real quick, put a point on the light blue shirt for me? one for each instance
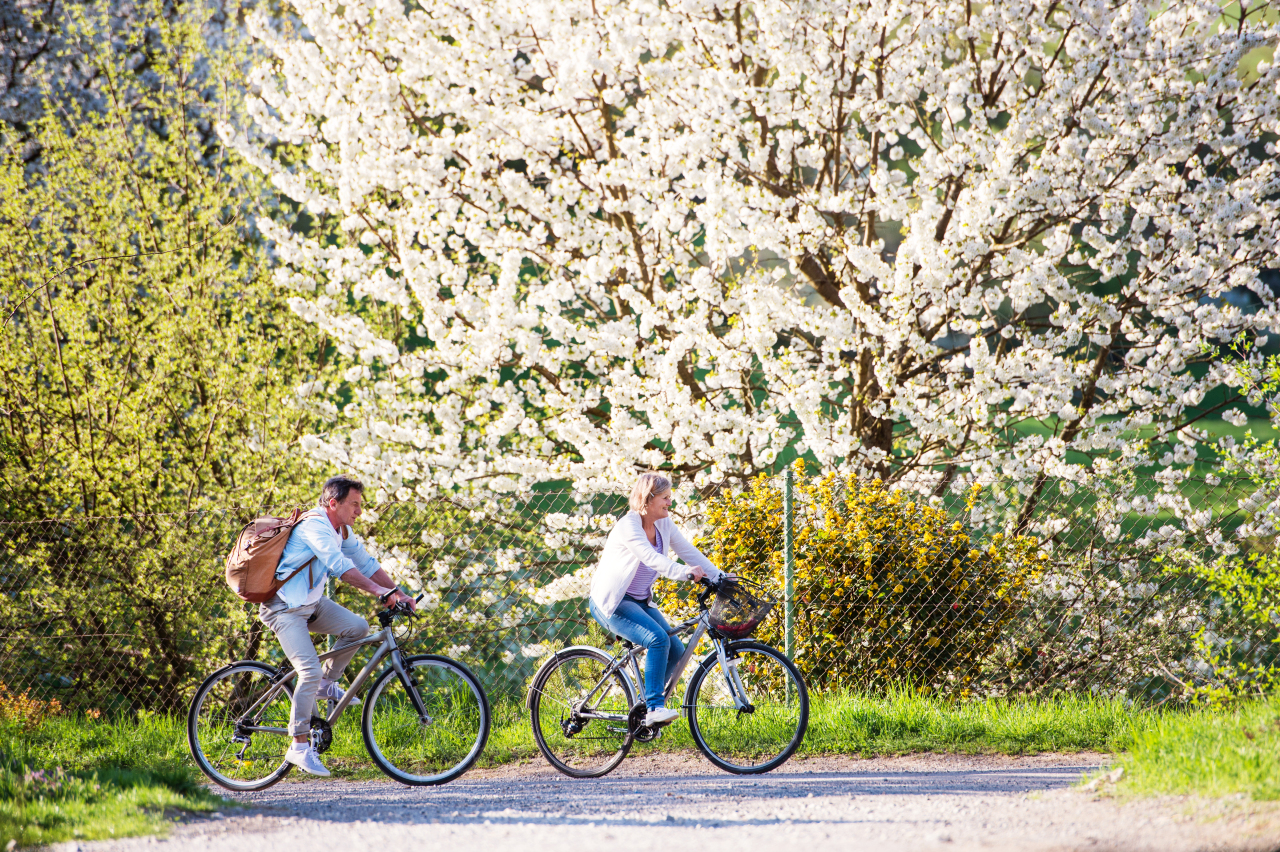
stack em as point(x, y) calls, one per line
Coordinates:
point(315, 537)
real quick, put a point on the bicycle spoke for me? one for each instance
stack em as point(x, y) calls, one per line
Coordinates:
point(417, 751)
point(568, 737)
point(220, 704)
point(763, 734)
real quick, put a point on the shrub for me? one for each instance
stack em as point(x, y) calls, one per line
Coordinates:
point(888, 589)
point(1247, 664)
point(24, 710)
point(147, 361)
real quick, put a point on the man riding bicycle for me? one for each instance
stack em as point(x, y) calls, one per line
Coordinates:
point(323, 546)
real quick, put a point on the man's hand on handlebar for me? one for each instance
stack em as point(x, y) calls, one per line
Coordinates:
point(395, 597)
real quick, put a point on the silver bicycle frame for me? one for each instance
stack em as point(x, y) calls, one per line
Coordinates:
point(700, 626)
point(728, 666)
point(386, 641)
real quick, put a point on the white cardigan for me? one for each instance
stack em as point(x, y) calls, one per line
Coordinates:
point(628, 546)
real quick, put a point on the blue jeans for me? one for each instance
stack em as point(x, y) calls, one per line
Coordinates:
point(647, 627)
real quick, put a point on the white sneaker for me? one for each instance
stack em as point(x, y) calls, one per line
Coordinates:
point(661, 716)
point(330, 691)
point(303, 756)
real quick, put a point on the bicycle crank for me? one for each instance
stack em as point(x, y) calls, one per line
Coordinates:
point(321, 734)
point(638, 729)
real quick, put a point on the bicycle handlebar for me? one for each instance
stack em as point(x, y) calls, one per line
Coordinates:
point(402, 608)
point(710, 587)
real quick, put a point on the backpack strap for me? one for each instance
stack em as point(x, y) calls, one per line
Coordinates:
point(307, 564)
point(311, 580)
point(310, 564)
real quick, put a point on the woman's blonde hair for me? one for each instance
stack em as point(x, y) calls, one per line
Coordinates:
point(647, 486)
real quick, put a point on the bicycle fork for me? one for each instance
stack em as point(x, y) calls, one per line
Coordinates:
point(730, 669)
point(410, 686)
point(729, 666)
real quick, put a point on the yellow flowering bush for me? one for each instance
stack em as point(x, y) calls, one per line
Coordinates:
point(888, 589)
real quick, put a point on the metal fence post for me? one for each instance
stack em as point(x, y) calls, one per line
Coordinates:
point(788, 567)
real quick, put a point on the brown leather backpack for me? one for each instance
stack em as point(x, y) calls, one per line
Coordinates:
point(252, 563)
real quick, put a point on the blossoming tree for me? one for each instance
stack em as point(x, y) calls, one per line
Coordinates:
point(566, 239)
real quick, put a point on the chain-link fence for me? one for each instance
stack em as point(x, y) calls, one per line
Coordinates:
point(1010, 588)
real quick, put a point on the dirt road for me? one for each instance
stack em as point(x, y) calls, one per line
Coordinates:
point(672, 802)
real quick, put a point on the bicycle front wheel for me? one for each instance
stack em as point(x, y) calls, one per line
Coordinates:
point(439, 747)
point(238, 729)
point(567, 698)
point(763, 735)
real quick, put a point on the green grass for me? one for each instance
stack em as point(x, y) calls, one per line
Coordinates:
point(900, 723)
point(131, 776)
point(72, 778)
point(852, 724)
point(1207, 754)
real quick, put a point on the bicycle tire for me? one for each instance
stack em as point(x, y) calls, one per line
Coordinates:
point(557, 688)
point(741, 742)
point(420, 753)
point(211, 724)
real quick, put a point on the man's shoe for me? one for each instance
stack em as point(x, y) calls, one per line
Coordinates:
point(330, 691)
point(660, 716)
point(303, 756)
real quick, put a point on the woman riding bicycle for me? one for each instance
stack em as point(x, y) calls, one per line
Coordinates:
point(622, 589)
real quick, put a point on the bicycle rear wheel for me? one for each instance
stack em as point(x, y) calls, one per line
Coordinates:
point(225, 722)
point(751, 741)
point(570, 740)
point(435, 750)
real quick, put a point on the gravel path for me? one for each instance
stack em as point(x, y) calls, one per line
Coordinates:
point(671, 802)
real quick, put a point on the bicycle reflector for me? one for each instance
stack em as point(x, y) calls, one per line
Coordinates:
point(736, 611)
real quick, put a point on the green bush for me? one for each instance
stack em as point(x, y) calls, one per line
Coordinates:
point(147, 364)
point(1245, 663)
point(888, 589)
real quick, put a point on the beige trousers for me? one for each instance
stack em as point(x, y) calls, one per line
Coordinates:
point(293, 629)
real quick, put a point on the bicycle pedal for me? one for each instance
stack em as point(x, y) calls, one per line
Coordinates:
point(649, 733)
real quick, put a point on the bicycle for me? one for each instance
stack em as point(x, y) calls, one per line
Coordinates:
point(425, 721)
point(746, 703)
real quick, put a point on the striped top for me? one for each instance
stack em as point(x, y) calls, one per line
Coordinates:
point(642, 584)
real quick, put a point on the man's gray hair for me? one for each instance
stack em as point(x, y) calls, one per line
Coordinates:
point(338, 487)
point(646, 487)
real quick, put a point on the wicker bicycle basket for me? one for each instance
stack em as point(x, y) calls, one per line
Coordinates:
point(737, 610)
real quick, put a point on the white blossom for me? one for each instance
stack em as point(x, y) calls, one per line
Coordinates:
point(1235, 417)
point(563, 240)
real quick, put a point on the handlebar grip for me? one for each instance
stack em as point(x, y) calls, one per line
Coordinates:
point(402, 608)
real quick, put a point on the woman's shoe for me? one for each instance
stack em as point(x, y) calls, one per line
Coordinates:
point(660, 716)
